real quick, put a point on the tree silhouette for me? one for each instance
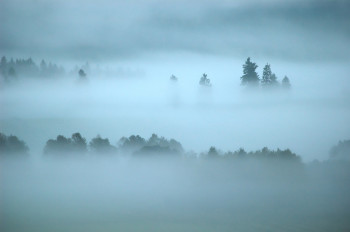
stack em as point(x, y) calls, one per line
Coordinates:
point(138, 145)
point(274, 82)
point(63, 146)
point(102, 146)
point(204, 81)
point(213, 153)
point(173, 78)
point(79, 143)
point(250, 76)
point(3, 62)
point(341, 151)
point(266, 77)
point(82, 74)
point(131, 144)
point(12, 72)
point(11, 145)
point(3, 66)
point(286, 83)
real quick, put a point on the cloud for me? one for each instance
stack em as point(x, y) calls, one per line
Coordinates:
point(315, 30)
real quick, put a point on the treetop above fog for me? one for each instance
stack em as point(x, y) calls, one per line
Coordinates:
point(250, 76)
point(341, 151)
point(204, 80)
point(269, 80)
point(11, 145)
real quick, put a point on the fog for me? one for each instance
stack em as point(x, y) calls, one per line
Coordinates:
point(246, 158)
point(173, 195)
point(308, 119)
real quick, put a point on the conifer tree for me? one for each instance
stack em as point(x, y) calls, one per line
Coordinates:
point(286, 83)
point(266, 77)
point(250, 76)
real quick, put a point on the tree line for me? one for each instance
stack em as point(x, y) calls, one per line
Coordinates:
point(12, 69)
point(250, 77)
point(76, 145)
point(135, 145)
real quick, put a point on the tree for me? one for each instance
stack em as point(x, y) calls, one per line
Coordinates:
point(43, 66)
point(102, 146)
point(82, 74)
point(62, 146)
point(250, 76)
point(213, 153)
point(79, 143)
point(266, 77)
point(286, 83)
point(3, 68)
point(341, 151)
point(173, 78)
point(131, 144)
point(3, 63)
point(12, 72)
point(204, 81)
point(274, 82)
point(11, 145)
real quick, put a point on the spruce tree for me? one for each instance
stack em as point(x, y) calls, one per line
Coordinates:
point(250, 77)
point(266, 77)
point(286, 83)
point(274, 82)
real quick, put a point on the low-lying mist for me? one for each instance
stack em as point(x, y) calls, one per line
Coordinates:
point(309, 118)
point(174, 115)
point(208, 183)
point(170, 194)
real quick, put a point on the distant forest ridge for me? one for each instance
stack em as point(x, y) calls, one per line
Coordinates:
point(135, 145)
point(11, 70)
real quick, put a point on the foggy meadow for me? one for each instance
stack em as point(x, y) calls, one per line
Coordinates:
point(174, 116)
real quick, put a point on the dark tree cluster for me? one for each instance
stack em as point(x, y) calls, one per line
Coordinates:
point(341, 151)
point(204, 80)
point(155, 144)
point(12, 69)
point(263, 154)
point(102, 146)
point(135, 144)
point(63, 146)
point(11, 145)
point(269, 80)
point(82, 74)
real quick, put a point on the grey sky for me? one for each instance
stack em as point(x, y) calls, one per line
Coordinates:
point(91, 30)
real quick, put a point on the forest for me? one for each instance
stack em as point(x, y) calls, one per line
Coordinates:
point(154, 146)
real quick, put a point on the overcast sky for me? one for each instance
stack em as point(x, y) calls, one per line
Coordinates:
point(107, 30)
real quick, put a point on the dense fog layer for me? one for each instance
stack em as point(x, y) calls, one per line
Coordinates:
point(252, 98)
point(309, 118)
point(173, 195)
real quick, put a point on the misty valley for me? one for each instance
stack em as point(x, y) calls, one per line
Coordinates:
point(227, 173)
point(154, 184)
point(174, 115)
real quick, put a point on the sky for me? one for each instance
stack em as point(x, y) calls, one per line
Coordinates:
point(311, 30)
